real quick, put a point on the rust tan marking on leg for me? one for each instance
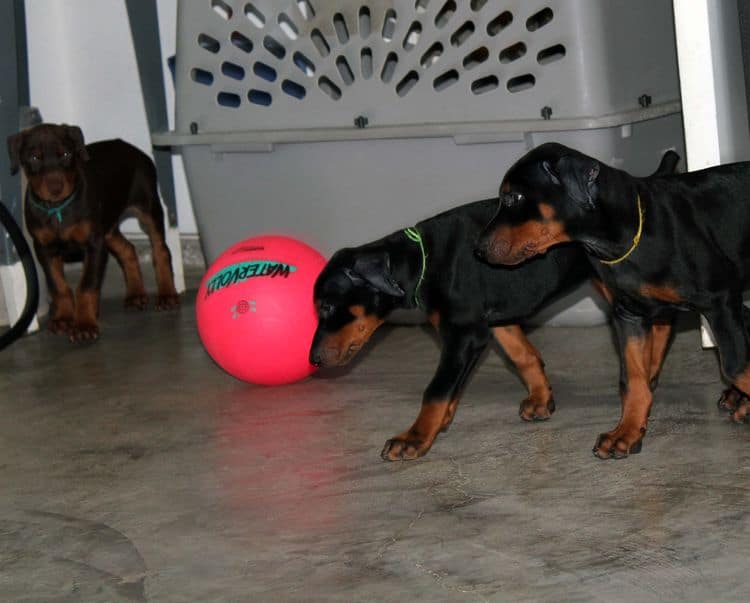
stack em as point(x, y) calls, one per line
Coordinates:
point(450, 413)
point(86, 325)
point(626, 438)
point(660, 334)
point(162, 259)
point(603, 290)
point(418, 439)
point(123, 250)
point(742, 383)
point(528, 362)
point(665, 293)
point(434, 319)
point(63, 308)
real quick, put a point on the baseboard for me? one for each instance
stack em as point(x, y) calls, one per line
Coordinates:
point(192, 254)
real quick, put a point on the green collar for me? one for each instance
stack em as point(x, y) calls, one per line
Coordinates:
point(413, 235)
point(55, 210)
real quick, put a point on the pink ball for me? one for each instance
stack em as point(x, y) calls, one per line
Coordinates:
point(255, 311)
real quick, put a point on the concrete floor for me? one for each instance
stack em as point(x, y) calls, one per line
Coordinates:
point(133, 469)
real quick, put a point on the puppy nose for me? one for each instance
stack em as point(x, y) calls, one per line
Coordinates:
point(55, 186)
point(315, 359)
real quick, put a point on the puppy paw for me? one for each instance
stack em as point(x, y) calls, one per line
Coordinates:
point(619, 443)
point(136, 302)
point(404, 448)
point(60, 326)
point(167, 302)
point(84, 331)
point(730, 399)
point(536, 410)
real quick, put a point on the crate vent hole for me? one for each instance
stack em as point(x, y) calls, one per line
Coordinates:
point(366, 60)
point(342, 31)
point(273, 46)
point(389, 67)
point(259, 97)
point(264, 71)
point(201, 76)
point(407, 83)
point(389, 25)
point(288, 27)
point(305, 64)
point(412, 36)
point(540, 19)
point(551, 54)
point(306, 9)
point(477, 57)
point(477, 5)
point(228, 99)
point(521, 83)
point(499, 23)
point(319, 41)
point(421, 6)
point(208, 43)
point(485, 84)
point(254, 15)
point(241, 42)
point(431, 55)
point(293, 89)
point(513, 53)
point(329, 88)
point(462, 34)
point(445, 14)
point(222, 9)
point(365, 22)
point(345, 71)
point(232, 70)
point(444, 81)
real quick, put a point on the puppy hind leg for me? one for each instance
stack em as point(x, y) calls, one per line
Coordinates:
point(124, 252)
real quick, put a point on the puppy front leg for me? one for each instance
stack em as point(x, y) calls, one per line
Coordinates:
point(62, 314)
point(539, 404)
point(86, 326)
point(462, 346)
point(635, 339)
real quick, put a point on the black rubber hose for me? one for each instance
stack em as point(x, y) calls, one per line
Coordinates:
point(29, 271)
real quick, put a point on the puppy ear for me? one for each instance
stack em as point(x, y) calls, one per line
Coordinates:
point(14, 151)
point(375, 270)
point(550, 172)
point(76, 135)
point(580, 177)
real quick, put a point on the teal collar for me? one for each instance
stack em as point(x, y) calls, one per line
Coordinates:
point(413, 235)
point(54, 210)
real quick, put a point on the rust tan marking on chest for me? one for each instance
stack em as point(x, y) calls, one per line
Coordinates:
point(665, 293)
point(79, 232)
point(44, 236)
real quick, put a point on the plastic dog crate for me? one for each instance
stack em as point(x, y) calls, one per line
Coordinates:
point(338, 122)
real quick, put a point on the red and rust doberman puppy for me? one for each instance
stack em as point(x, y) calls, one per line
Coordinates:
point(432, 266)
point(77, 196)
point(659, 244)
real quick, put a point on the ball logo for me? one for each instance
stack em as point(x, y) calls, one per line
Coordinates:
point(240, 272)
point(242, 307)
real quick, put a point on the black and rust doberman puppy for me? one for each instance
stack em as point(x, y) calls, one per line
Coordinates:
point(77, 196)
point(659, 244)
point(432, 266)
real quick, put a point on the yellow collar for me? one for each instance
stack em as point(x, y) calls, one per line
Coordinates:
point(636, 238)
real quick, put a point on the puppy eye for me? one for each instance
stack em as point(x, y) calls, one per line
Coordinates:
point(518, 198)
point(34, 157)
point(325, 310)
point(67, 155)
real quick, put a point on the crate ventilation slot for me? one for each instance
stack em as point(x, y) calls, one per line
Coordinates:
point(257, 54)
